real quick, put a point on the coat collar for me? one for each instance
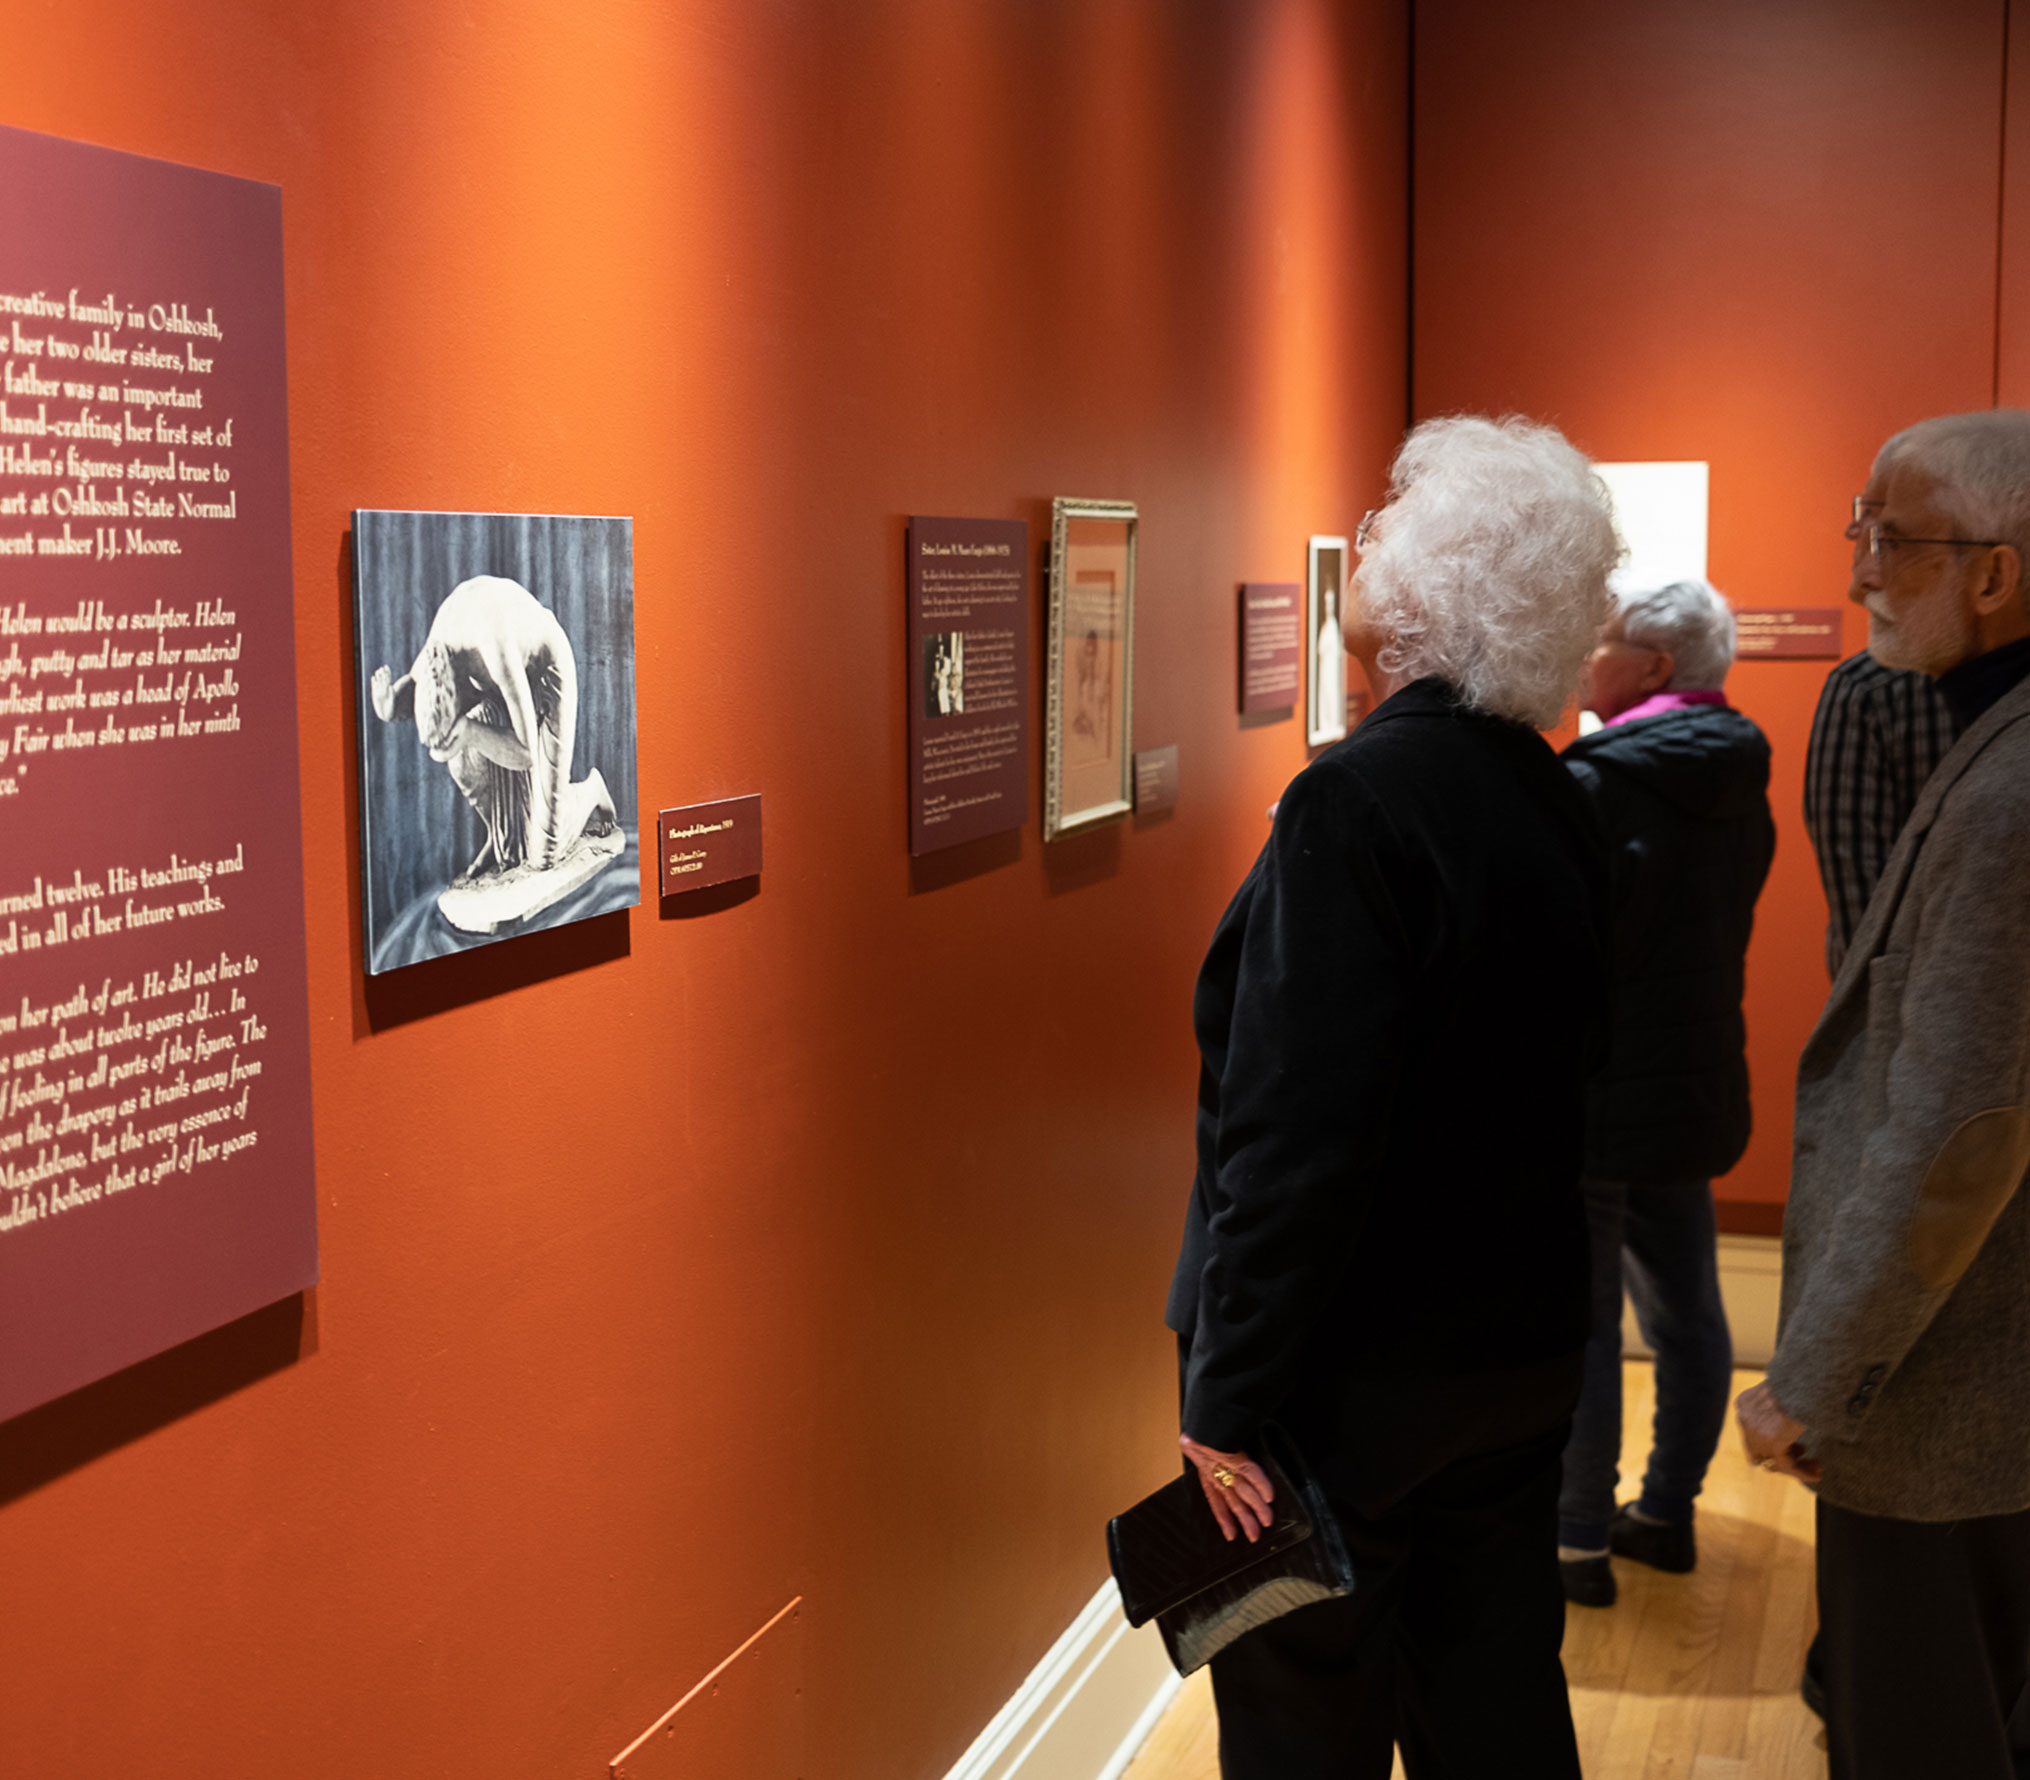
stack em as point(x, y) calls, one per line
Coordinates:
point(1434, 697)
point(1427, 697)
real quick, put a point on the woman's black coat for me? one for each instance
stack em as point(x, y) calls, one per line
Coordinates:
point(1683, 799)
point(1396, 1019)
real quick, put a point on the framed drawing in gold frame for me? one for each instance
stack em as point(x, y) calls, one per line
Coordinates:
point(1324, 641)
point(1088, 732)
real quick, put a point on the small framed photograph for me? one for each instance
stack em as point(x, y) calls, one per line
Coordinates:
point(1325, 642)
point(1088, 748)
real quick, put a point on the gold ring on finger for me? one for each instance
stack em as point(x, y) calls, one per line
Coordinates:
point(1223, 1477)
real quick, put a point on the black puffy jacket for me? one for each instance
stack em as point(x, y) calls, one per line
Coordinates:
point(1683, 799)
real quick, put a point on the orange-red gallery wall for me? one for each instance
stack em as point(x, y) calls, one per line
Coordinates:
point(1762, 236)
point(815, 1245)
point(811, 1246)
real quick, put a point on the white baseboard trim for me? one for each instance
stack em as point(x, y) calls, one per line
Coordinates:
point(1085, 1710)
point(1751, 1279)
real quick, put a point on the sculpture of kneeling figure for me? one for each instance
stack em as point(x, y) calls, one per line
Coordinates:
point(494, 695)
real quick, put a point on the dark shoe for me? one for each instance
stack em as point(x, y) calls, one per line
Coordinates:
point(1813, 1687)
point(1671, 1547)
point(1589, 1582)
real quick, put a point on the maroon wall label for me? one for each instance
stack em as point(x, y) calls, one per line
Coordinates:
point(155, 1144)
point(968, 679)
point(709, 843)
point(1272, 645)
point(1795, 633)
point(1156, 780)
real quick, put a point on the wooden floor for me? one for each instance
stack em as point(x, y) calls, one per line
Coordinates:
point(1691, 1677)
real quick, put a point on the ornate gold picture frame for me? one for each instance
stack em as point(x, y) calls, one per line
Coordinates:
point(1088, 758)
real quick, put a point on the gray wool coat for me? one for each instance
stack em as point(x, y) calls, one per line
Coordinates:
point(1903, 1343)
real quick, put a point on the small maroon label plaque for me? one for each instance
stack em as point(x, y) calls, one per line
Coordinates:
point(1272, 645)
point(709, 843)
point(1156, 781)
point(1795, 633)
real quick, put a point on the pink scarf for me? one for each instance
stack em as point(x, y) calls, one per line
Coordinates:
point(1659, 702)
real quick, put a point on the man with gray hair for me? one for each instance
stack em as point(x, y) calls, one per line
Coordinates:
point(1679, 783)
point(1901, 1380)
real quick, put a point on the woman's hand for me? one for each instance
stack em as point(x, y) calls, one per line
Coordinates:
point(1238, 1489)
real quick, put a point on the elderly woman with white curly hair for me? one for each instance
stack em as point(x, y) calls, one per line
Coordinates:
point(1385, 1252)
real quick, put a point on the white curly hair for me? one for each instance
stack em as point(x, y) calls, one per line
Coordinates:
point(1488, 567)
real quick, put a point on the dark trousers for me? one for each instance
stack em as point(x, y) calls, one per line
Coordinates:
point(1449, 1642)
point(1658, 1239)
point(1925, 1627)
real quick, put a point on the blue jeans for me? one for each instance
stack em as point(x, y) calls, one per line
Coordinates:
point(1659, 1238)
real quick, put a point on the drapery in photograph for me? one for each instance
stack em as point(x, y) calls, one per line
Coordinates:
point(1087, 768)
point(496, 700)
point(1325, 642)
point(944, 674)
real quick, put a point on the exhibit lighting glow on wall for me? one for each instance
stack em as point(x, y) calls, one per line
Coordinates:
point(1660, 512)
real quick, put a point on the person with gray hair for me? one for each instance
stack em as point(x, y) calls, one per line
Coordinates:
point(1385, 1247)
point(1689, 622)
point(1680, 783)
point(1900, 1386)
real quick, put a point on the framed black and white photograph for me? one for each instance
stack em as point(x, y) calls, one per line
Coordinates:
point(944, 674)
point(1325, 642)
point(1088, 768)
point(496, 727)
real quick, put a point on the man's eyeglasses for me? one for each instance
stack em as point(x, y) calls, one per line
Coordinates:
point(1363, 533)
point(1864, 525)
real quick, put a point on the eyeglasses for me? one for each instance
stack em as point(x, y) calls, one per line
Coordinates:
point(1363, 533)
point(1864, 525)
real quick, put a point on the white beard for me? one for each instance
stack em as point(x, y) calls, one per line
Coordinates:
point(1934, 634)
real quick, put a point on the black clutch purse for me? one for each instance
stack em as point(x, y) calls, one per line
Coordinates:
point(1203, 1590)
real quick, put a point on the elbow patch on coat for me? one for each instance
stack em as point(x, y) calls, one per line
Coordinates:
point(1971, 1178)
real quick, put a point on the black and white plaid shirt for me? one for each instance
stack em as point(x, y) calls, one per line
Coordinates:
point(1875, 738)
